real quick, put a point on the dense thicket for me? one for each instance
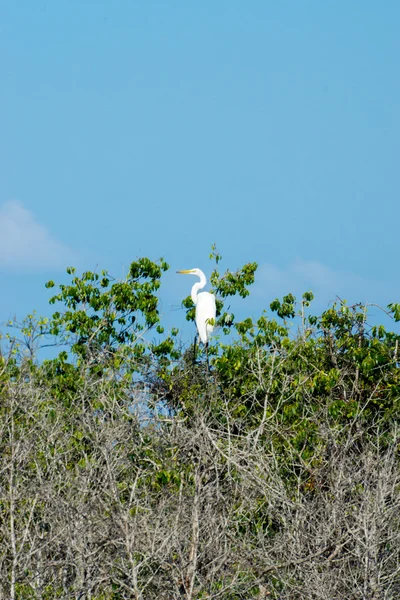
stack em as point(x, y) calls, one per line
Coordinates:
point(131, 470)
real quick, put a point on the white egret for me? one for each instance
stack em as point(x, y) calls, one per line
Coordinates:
point(205, 305)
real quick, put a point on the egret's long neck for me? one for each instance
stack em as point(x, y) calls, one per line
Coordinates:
point(198, 286)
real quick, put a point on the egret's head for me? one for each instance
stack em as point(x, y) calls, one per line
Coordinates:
point(200, 284)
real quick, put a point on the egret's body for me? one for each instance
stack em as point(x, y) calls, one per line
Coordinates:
point(205, 315)
point(205, 306)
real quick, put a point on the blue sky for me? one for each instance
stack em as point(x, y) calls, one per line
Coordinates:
point(157, 128)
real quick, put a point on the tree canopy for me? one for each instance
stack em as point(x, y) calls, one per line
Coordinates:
point(131, 470)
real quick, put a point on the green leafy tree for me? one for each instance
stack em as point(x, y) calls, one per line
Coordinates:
point(104, 315)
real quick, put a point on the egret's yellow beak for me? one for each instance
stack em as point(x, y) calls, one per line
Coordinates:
point(186, 271)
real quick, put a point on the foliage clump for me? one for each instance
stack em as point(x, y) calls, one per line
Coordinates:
point(132, 469)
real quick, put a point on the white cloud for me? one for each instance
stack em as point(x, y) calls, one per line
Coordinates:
point(25, 243)
point(326, 284)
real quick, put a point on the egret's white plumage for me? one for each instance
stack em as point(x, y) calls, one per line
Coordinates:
point(205, 305)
